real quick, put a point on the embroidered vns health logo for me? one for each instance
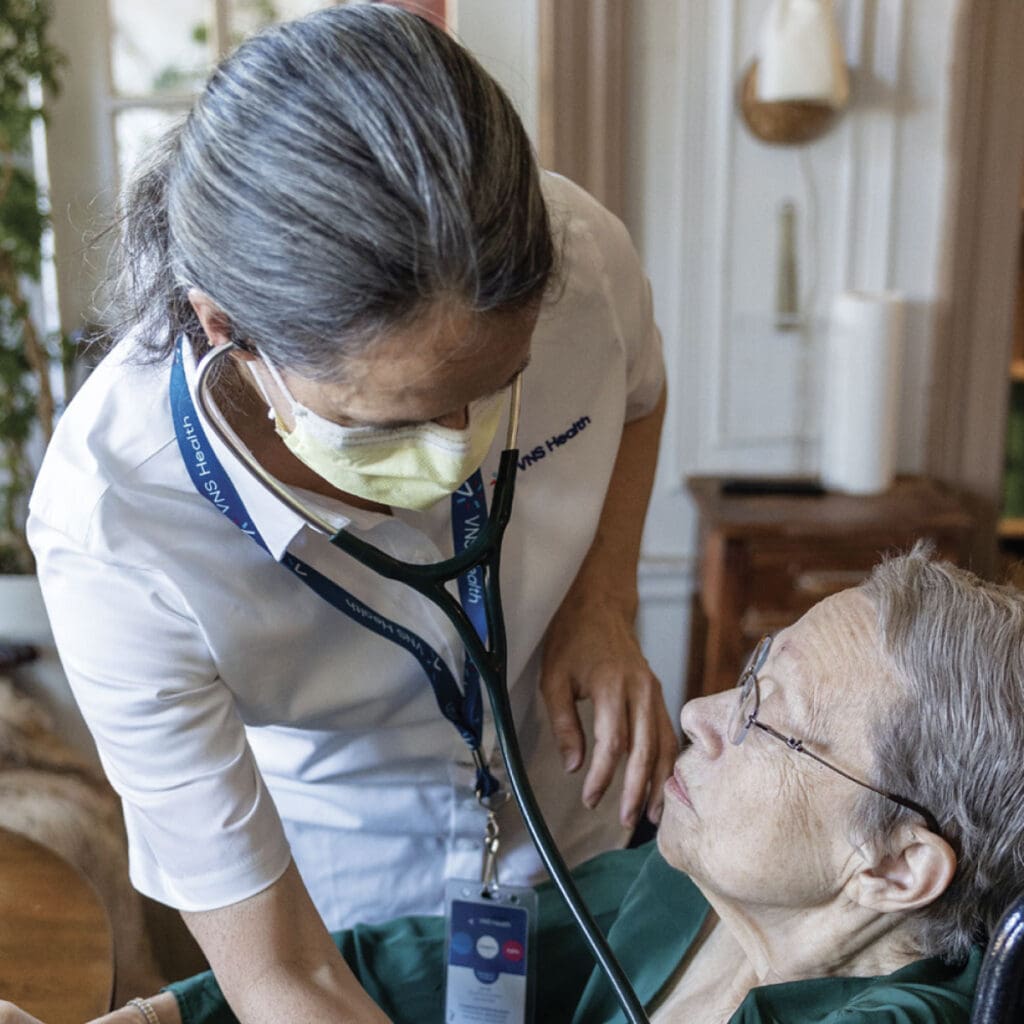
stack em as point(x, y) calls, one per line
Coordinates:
point(553, 443)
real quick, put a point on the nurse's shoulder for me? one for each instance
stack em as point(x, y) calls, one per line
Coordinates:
point(116, 423)
point(589, 236)
point(601, 289)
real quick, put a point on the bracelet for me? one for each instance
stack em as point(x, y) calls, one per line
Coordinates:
point(145, 1007)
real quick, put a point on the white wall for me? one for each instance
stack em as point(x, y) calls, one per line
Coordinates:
point(503, 37)
point(702, 202)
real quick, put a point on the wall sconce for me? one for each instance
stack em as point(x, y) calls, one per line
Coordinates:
point(798, 83)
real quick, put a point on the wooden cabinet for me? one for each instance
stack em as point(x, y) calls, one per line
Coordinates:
point(765, 558)
point(1011, 524)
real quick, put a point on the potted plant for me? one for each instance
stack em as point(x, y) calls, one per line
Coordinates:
point(36, 367)
point(28, 357)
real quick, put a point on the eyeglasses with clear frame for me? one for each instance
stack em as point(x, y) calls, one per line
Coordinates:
point(744, 718)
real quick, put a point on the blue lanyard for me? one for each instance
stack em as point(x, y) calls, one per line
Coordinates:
point(464, 709)
point(469, 517)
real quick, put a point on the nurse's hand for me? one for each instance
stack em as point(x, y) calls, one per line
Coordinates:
point(591, 652)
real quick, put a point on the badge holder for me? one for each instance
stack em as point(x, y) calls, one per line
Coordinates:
point(490, 966)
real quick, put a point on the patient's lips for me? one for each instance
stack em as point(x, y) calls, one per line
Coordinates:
point(676, 788)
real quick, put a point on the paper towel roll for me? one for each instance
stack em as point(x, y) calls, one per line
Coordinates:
point(860, 417)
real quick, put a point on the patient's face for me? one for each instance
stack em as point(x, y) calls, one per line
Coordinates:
point(760, 823)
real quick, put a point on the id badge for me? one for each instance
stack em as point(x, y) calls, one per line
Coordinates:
point(490, 961)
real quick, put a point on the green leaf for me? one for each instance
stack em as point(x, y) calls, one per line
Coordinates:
point(25, 57)
point(22, 223)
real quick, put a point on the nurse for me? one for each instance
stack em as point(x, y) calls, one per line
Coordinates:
point(353, 203)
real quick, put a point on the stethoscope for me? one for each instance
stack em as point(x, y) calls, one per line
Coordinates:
point(490, 658)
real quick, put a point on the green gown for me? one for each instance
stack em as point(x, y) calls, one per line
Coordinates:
point(650, 913)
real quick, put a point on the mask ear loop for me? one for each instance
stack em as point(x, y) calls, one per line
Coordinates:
point(248, 347)
point(278, 380)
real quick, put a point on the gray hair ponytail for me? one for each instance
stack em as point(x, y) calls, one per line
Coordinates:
point(339, 176)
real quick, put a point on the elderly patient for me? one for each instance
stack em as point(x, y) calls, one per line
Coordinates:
point(839, 835)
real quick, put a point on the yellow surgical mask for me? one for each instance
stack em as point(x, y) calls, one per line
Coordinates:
point(409, 467)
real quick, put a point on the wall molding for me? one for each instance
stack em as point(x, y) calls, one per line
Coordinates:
point(877, 48)
point(696, 251)
point(666, 588)
point(666, 579)
point(724, 156)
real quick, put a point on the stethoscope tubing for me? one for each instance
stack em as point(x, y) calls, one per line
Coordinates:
point(492, 664)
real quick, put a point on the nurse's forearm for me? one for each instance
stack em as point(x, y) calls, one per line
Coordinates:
point(276, 963)
point(298, 994)
point(611, 564)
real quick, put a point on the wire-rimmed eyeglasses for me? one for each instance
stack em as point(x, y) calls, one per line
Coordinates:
point(744, 716)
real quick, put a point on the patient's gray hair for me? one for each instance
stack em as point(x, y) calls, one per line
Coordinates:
point(954, 739)
point(341, 175)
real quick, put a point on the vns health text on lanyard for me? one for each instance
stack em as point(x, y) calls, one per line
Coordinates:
point(490, 926)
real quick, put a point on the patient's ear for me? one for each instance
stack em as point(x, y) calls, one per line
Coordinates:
point(913, 874)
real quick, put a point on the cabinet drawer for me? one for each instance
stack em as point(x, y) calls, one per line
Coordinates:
point(786, 577)
point(758, 584)
point(793, 575)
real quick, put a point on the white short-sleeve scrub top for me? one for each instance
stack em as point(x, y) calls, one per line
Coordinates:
point(244, 720)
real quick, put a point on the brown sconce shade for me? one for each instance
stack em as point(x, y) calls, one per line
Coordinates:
point(787, 123)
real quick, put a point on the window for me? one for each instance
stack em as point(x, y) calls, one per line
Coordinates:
point(160, 56)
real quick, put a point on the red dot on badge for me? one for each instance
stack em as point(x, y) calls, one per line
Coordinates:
point(512, 951)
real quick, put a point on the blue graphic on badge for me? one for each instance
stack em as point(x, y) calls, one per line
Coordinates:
point(490, 940)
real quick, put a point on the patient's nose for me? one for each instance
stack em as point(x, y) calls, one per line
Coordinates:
point(705, 721)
